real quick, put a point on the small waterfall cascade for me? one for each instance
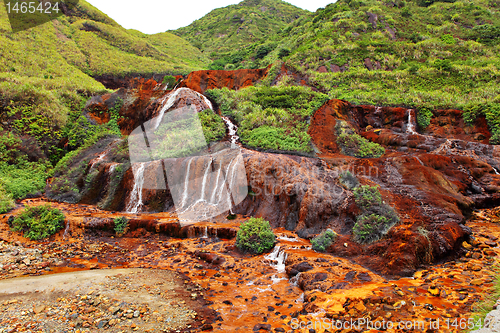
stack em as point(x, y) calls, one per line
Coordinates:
point(233, 137)
point(204, 182)
point(169, 100)
point(205, 232)
point(419, 160)
point(277, 258)
point(102, 155)
point(135, 199)
point(186, 184)
point(410, 129)
point(495, 169)
point(66, 230)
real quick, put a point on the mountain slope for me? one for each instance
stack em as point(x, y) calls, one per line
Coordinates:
point(400, 53)
point(237, 26)
point(46, 76)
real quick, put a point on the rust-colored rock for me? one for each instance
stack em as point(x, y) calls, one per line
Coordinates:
point(202, 81)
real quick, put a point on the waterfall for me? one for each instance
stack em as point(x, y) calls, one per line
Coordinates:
point(232, 130)
point(495, 169)
point(204, 182)
point(186, 184)
point(170, 100)
point(279, 257)
point(418, 159)
point(65, 235)
point(212, 198)
point(206, 100)
point(205, 232)
point(135, 200)
point(410, 129)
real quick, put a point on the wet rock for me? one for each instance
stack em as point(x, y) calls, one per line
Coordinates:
point(265, 327)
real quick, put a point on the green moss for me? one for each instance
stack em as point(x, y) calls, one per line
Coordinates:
point(424, 116)
point(255, 236)
point(39, 222)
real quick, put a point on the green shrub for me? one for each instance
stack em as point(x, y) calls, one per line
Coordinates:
point(255, 236)
point(448, 39)
point(487, 34)
point(424, 116)
point(324, 240)
point(121, 224)
point(376, 216)
point(6, 201)
point(39, 222)
point(491, 111)
point(169, 80)
point(212, 124)
point(367, 196)
point(352, 144)
point(348, 180)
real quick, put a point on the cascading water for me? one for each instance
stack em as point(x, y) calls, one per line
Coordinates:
point(205, 232)
point(277, 258)
point(135, 200)
point(169, 100)
point(411, 123)
point(204, 182)
point(186, 184)
point(233, 137)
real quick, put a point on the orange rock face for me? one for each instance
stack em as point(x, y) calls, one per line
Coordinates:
point(202, 81)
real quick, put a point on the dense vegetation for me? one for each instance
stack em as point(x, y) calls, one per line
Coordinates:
point(38, 222)
point(271, 117)
point(376, 216)
point(423, 54)
point(255, 236)
point(237, 27)
point(46, 77)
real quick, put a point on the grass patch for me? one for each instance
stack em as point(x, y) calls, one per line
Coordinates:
point(352, 144)
point(39, 222)
point(255, 236)
point(482, 308)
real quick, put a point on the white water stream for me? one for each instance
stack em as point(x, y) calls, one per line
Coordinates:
point(135, 199)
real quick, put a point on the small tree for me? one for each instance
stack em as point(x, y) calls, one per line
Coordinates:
point(255, 236)
point(169, 80)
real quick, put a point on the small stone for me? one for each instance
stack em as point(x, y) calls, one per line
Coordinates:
point(476, 282)
point(38, 309)
point(136, 313)
point(434, 291)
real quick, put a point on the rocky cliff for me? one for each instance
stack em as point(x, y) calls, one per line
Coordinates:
point(433, 177)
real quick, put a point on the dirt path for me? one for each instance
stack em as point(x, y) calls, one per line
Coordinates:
point(117, 300)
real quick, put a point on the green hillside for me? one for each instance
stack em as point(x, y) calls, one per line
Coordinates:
point(399, 52)
point(236, 27)
point(424, 54)
point(46, 76)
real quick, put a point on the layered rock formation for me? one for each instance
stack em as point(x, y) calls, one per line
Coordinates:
point(433, 178)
